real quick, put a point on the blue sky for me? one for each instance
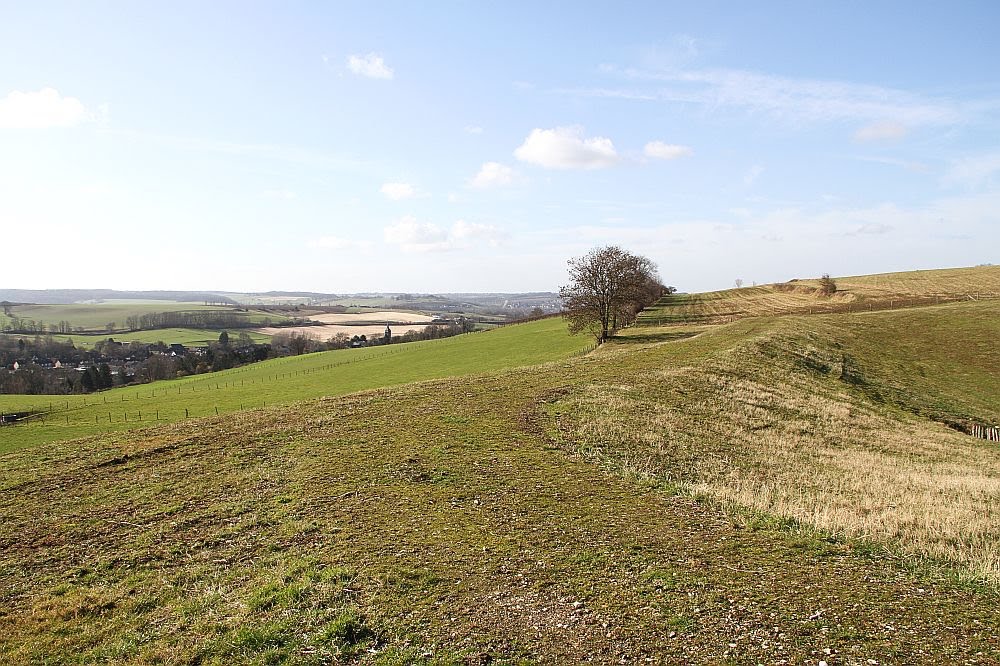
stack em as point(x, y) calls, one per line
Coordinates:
point(476, 147)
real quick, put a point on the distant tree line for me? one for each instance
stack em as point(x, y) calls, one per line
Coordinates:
point(15, 324)
point(200, 320)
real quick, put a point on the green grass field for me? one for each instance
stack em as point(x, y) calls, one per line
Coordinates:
point(189, 337)
point(95, 316)
point(780, 489)
point(282, 381)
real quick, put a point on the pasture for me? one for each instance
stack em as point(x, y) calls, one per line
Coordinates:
point(189, 337)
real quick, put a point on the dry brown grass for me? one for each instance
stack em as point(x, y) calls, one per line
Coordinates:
point(854, 294)
point(773, 427)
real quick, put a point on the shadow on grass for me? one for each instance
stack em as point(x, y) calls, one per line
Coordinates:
point(636, 338)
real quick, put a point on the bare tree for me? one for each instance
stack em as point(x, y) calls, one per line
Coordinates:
point(608, 288)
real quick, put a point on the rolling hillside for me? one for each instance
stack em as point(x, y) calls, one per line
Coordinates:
point(854, 294)
point(779, 489)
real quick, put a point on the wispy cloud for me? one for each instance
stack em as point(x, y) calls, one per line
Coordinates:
point(42, 109)
point(277, 152)
point(666, 151)
point(492, 174)
point(973, 171)
point(566, 148)
point(398, 191)
point(795, 99)
point(881, 131)
point(411, 235)
point(370, 65)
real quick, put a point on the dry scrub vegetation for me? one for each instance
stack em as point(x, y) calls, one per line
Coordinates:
point(801, 425)
point(853, 294)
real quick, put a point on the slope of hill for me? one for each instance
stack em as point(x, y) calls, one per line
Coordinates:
point(854, 294)
point(285, 380)
point(777, 489)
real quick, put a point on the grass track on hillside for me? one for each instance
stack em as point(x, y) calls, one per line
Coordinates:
point(286, 380)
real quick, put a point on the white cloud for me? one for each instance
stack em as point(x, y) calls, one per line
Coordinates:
point(870, 229)
point(492, 174)
point(881, 131)
point(41, 109)
point(413, 236)
point(463, 231)
point(371, 65)
point(566, 148)
point(666, 151)
point(473, 129)
point(398, 191)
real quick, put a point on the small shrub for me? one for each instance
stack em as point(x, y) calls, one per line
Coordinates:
point(827, 286)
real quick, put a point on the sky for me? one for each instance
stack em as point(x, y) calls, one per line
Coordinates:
point(471, 147)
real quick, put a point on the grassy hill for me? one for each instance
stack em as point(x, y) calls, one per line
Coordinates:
point(286, 380)
point(786, 488)
point(854, 294)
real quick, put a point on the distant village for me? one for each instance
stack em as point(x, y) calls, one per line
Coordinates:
point(42, 364)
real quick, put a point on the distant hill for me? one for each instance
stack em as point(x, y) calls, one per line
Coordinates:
point(65, 296)
point(545, 300)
